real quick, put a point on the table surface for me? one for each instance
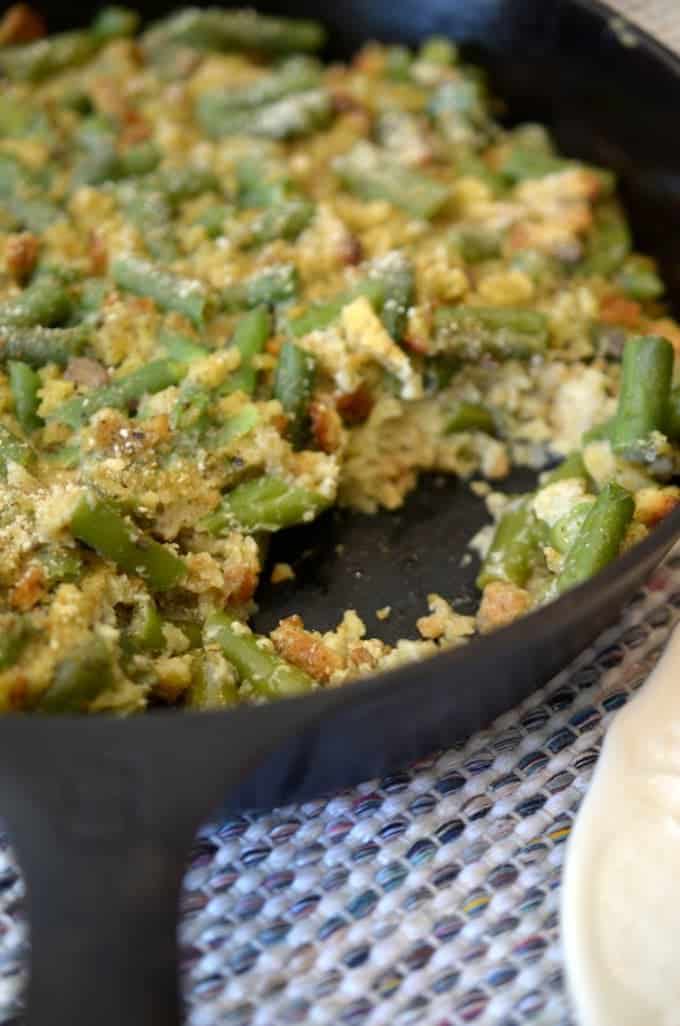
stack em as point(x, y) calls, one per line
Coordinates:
point(429, 898)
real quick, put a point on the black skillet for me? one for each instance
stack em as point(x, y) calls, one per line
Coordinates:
point(102, 811)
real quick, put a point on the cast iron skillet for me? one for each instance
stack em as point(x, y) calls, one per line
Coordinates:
point(102, 812)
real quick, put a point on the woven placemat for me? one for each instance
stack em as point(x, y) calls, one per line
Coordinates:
point(429, 898)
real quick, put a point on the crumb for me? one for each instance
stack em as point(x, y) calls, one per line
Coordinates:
point(481, 488)
point(384, 613)
point(282, 572)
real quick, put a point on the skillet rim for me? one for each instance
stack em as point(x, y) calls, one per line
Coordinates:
point(442, 666)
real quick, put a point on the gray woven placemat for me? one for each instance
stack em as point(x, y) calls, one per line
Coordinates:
point(429, 897)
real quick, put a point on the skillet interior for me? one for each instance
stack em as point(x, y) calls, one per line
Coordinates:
point(115, 803)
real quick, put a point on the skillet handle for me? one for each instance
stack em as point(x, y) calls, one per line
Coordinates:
point(102, 814)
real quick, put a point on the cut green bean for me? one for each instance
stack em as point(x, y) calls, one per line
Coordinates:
point(261, 183)
point(646, 374)
point(207, 691)
point(151, 213)
point(265, 504)
point(36, 61)
point(60, 564)
point(180, 348)
point(15, 634)
point(214, 219)
point(522, 163)
point(25, 385)
point(600, 538)
point(78, 679)
point(266, 288)
point(514, 549)
point(609, 242)
point(236, 427)
point(13, 450)
point(467, 416)
point(168, 291)
point(178, 184)
point(438, 50)
point(260, 669)
point(571, 466)
point(638, 280)
point(282, 221)
point(291, 117)
point(371, 175)
point(32, 214)
point(563, 534)
point(321, 315)
point(96, 523)
point(44, 302)
point(115, 22)
point(673, 415)
point(215, 28)
point(395, 272)
point(145, 633)
point(293, 387)
point(39, 346)
point(121, 393)
point(250, 336)
point(295, 75)
point(472, 332)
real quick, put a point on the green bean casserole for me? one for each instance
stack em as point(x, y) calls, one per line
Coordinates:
point(238, 287)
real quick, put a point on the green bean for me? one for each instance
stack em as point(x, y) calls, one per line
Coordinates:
point(97, 524)
point(638, 279)
point(646, 373)
point(467, 416)
point(214, 219)
point(38, 346)
point(600, 538)
point(371, 175)
point(673, 415)
point(44, 302)
point(472, 332)
point(90, 299)
point(214, 28)
point(320, 315)
point(15, 634)
point(264, 504)
point(208, 692)
point(514, 548)
point(609, 242)
point(282, 221)
point(571, 466)
point(295, 75)
point(564, 533)
point(121, 393)
point(398, 63)
point(291, 117)
point(260, 669)
point(145, 633)
point(151, 213)
point(236, 427)
point(438, 50)
point(261, 184)
point(13, 450)
point(476, 244)
point(469, 164)
point(114, 22)
point(180, 348)
point(78, 679)
point(523, 163)
point(168, 291)
point(32, 214)
point(293, 387)
point(178, 184)
point(250, 336)
point(25, 385)
point(395, 272)
point(270, 287)
point(459, 109)
point(36, 61)
point(602, 432)
point(60, 564)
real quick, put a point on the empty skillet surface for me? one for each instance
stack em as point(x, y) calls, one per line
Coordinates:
point(103, 811)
